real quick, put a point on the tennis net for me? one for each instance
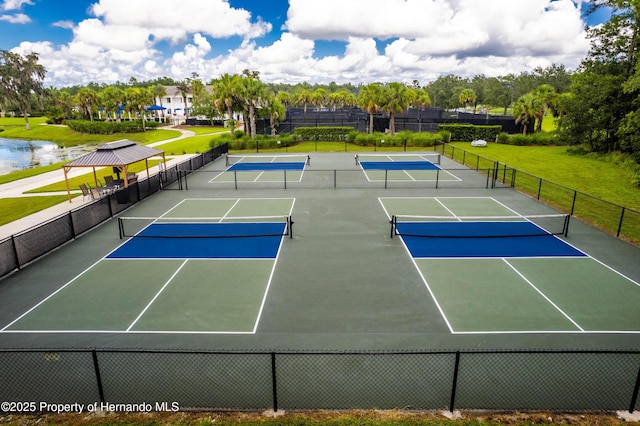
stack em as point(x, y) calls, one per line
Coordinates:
point(479, 226)
point(295, 158)
point(205, 227)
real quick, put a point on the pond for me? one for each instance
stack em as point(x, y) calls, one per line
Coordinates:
point(20, 154)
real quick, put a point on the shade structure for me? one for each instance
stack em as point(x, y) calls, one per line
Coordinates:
point(155, 107)
point(119, 154)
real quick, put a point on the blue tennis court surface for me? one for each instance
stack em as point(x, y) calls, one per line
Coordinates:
point(255, 165)
point(481, 239)
point(398, 165)
point(204, 241)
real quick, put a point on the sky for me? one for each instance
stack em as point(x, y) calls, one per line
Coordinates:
point(294, 41)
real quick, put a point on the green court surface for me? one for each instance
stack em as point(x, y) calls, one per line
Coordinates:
point(514, 294)
point(343, 280)
point(166, 295)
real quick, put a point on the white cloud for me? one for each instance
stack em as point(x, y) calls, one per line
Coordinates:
point(384, 40)
point(14, 4)
point(64, 24)
point(174, 21)
point(18, 18)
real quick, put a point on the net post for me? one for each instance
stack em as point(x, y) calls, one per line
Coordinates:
point(235, 178)
point(285, 179)
point(566, 224)
point(392, 222)
point(437, 177)
point(290, 225)
point(308, 160)
point(120, 228)
point(386, 173)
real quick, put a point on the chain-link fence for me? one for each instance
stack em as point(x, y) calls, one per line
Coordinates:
point(248, 380)
point(27, 246)
point(620, 221)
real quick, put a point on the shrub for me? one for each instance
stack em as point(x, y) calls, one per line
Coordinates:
point(503, 138)
point(540, 139)
point(470, 132)
point(322, 133)
point(110, 127)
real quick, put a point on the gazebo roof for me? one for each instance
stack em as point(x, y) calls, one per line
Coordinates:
point(120, 153)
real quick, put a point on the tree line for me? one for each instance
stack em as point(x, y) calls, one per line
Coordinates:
point(596, 106)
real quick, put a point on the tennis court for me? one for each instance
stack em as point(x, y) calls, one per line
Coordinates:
point(203, 266)
point(263, 168)
point(465, 262)
point(403, 167)
point(492, 270)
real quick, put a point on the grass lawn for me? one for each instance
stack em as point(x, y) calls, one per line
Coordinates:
point(15, 208)
point(585, 174)
point(88, 178)
point(21, 174)
point(14, 129)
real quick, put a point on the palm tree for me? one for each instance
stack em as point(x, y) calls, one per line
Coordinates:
point(184, 87)
point(87, 99)
point(252, 92)
point(284, 98)
point(159, 91)
point(111, 98)
point(318, 98)
point(422, 99)
point(369, 99)
point(396, 98)
point(277, 112)
point(525, 110)
point(225, 90)
point(548, 97)
point(304, 97)
point(467, 97)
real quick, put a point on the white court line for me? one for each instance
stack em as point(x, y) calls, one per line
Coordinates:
point(157, 294)
point(543, 295)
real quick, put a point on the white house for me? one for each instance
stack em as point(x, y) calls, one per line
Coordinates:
point(174, 103)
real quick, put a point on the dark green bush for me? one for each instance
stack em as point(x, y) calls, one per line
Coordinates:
point(322, 133)
point(534, 139)
point(110, 127)
point(470, 132)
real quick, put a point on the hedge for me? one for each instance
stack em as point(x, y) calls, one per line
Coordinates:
point(469, 132)
point(322, 133)
point(109, 127)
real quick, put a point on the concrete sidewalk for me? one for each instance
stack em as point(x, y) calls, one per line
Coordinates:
point(17, 188)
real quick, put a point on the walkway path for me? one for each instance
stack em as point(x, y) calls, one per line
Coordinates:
point(19, 187)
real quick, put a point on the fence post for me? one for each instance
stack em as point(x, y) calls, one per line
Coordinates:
point(274, 383)
point(620, 224)
point(634, 397)
point(539, 188)
point(454, 385)
point(96, 368)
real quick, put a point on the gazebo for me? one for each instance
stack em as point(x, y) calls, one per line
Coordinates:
point(119, 155)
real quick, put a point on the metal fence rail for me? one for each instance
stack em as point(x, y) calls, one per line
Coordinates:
point(618, 220)
point(21, 249)
point(251, 380)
